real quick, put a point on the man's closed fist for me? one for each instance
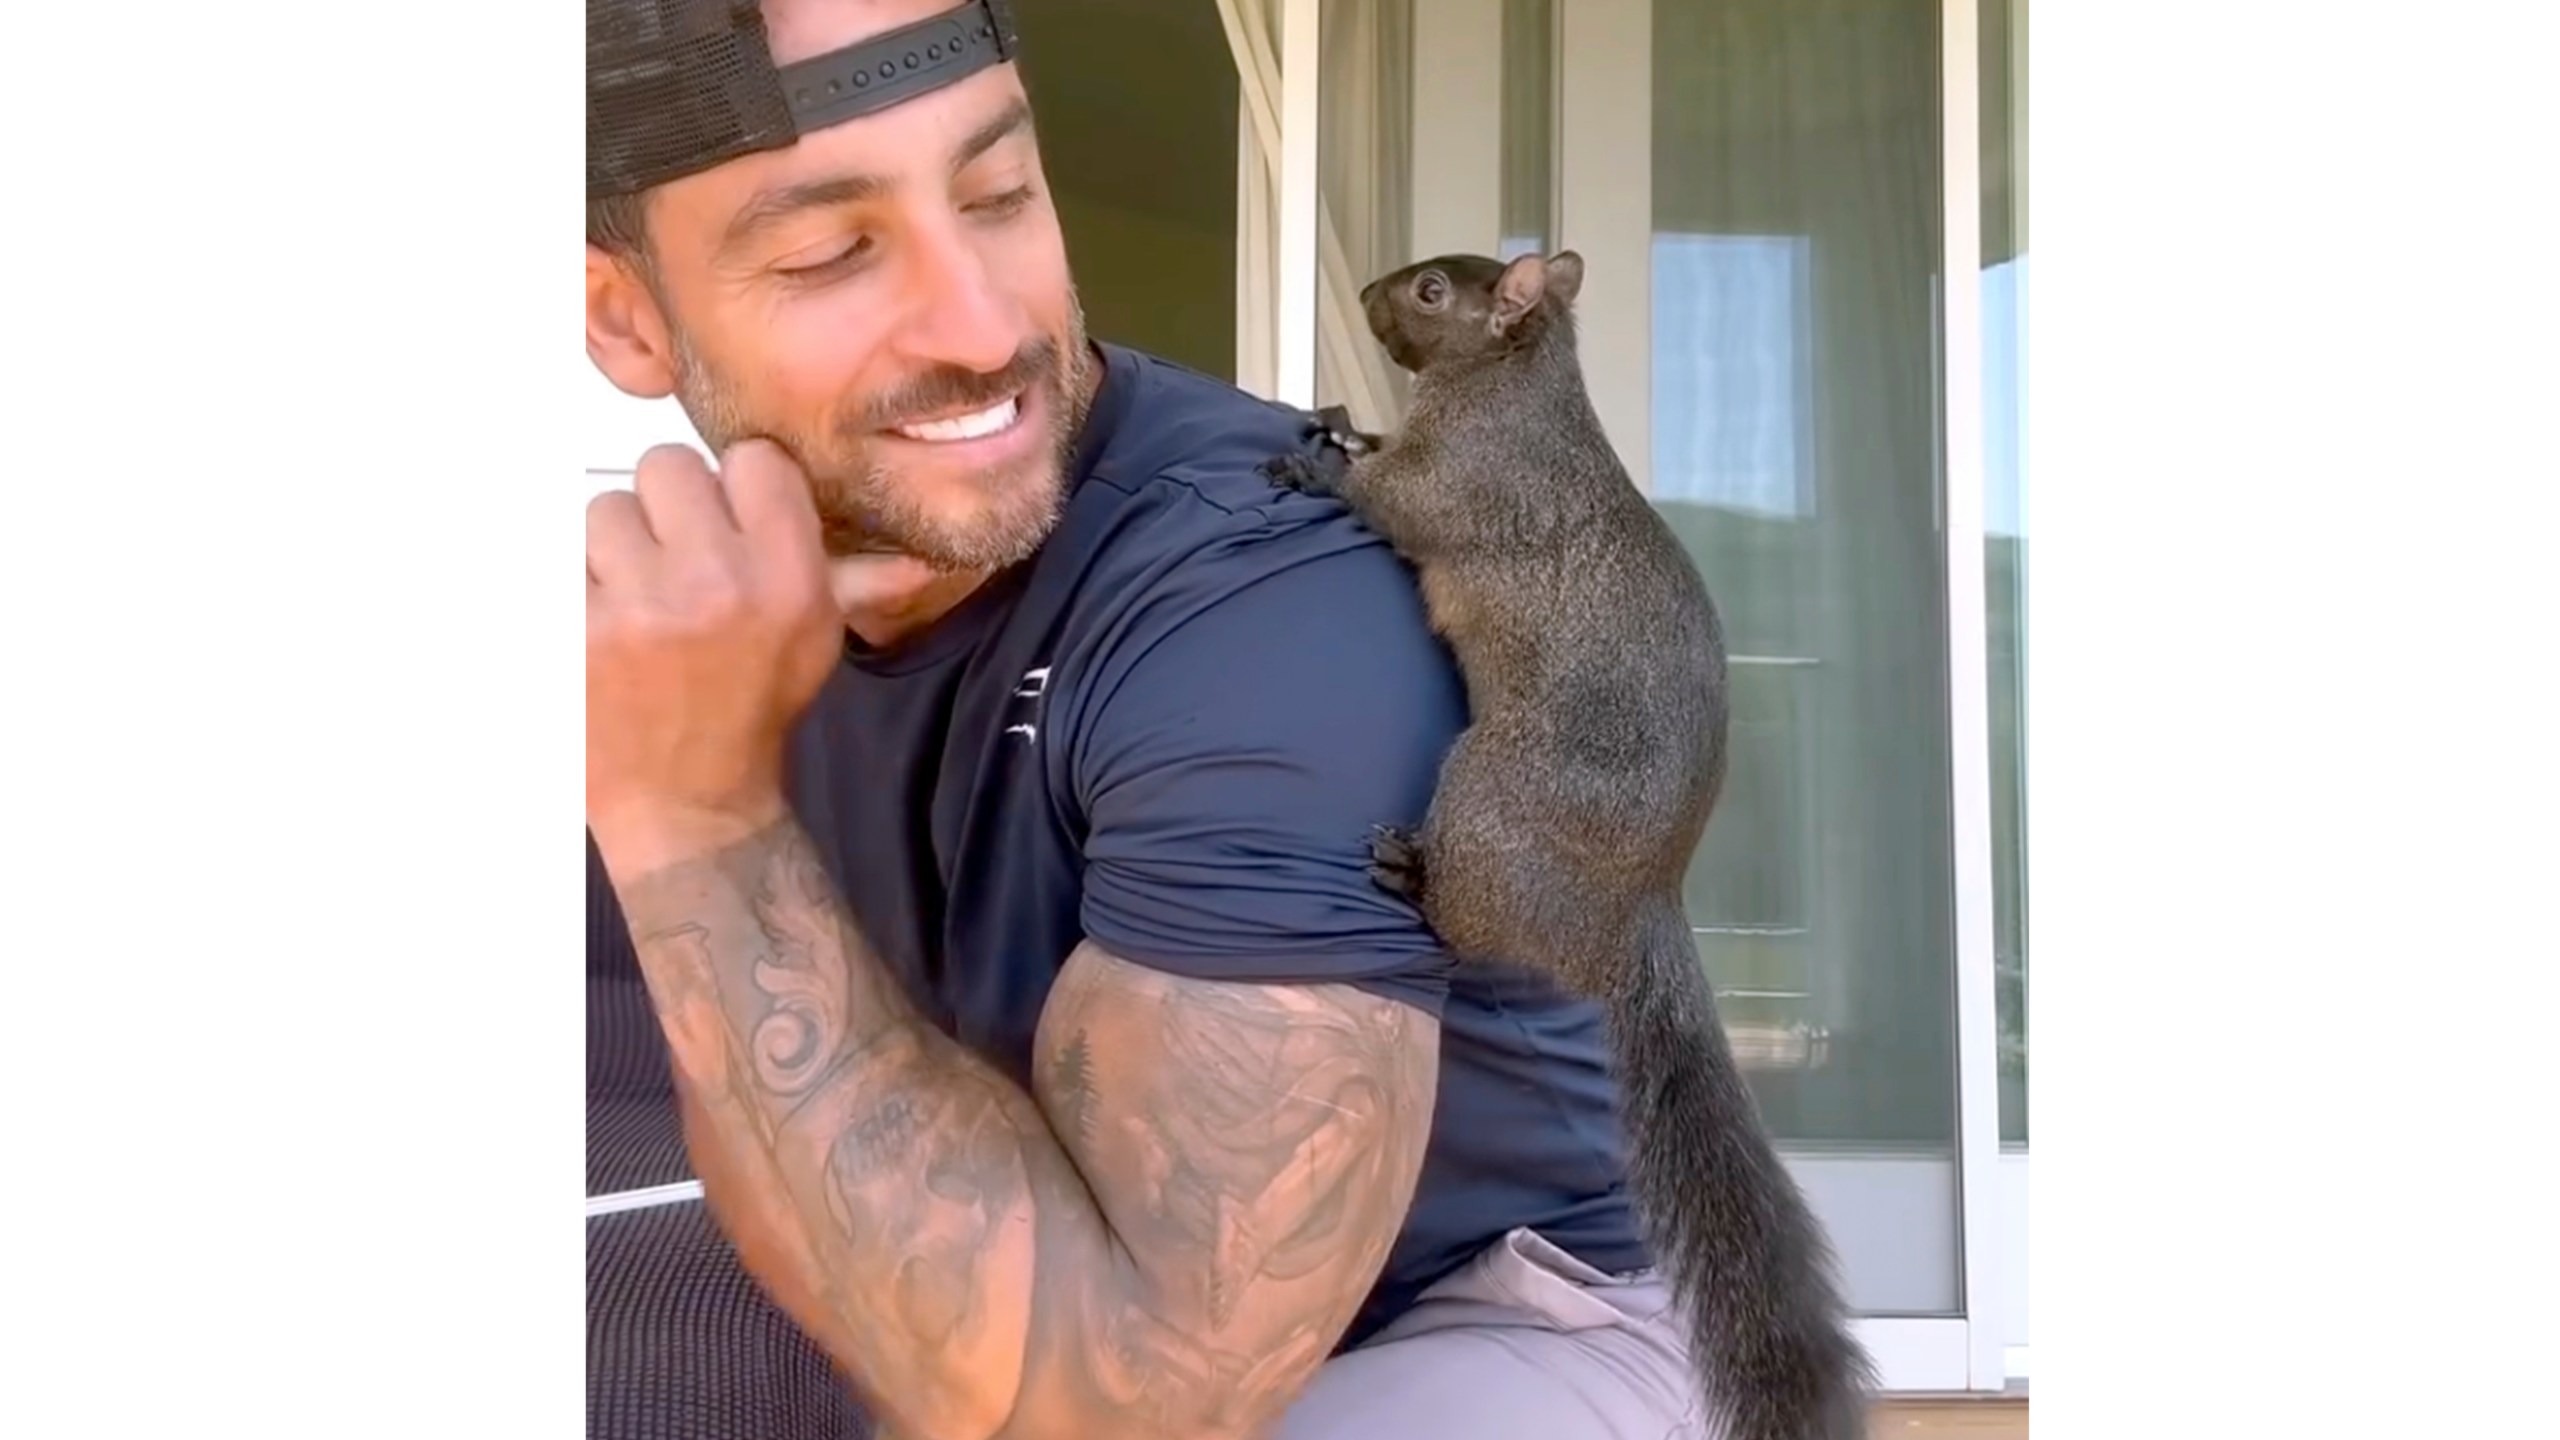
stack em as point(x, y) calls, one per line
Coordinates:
point(711, 626)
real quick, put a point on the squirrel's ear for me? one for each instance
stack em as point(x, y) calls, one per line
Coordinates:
point(1517, 293)
point(1564, 276)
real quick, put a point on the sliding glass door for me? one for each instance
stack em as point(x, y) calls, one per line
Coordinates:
point(1760, 189)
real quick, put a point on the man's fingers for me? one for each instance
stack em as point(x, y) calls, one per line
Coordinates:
point(769, 493)
point(619, 541)
point(674, 501)
point(683, 498)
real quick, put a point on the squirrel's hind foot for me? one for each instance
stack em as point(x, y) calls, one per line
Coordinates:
point(1395, 861)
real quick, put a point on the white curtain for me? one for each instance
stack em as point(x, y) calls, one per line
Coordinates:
point(1364, 169)
point(1349, 368)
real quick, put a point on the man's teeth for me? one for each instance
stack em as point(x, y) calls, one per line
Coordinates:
point(964, 427)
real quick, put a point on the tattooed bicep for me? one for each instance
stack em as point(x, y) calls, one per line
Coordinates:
point(1254, 1147)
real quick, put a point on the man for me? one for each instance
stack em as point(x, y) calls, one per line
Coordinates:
point(984, 760)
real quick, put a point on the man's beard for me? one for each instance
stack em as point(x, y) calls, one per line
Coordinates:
point(861, 505)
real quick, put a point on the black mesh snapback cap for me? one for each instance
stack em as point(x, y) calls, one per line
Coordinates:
point(678, 86)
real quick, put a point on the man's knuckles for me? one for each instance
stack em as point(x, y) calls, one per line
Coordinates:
point(616, 523)
point(703, 593)
point(673, 565)
point(672, 464)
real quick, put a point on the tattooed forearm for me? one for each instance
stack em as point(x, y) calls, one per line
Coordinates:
point(1254, 1149)
point(1180, 1224)
point(900, 1237)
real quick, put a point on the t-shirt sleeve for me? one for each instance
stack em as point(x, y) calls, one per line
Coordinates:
point(1247, 743)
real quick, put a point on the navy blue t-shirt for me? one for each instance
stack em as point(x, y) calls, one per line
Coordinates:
point(1170, 733)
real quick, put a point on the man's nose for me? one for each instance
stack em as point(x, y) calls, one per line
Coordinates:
point(959, 315)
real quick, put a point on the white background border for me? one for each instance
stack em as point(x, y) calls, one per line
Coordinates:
point(292, 673)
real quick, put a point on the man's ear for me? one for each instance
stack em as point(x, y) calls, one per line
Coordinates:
point(627, 335)
point(1516, 294)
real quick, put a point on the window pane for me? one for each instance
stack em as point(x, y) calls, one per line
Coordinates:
point(1795, 448)
point(2004, 394)
point(1782, 284)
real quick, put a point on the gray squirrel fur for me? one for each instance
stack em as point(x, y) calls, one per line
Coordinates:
point(1566, 814)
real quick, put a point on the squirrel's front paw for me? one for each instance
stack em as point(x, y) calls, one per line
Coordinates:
point(1319, 474)
point(1343, 435)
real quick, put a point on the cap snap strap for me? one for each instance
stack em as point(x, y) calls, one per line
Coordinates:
point(886, 69)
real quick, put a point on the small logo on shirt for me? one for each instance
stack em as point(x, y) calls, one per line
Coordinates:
point(1035, 683)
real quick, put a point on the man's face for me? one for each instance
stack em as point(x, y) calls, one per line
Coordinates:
point(888, 299)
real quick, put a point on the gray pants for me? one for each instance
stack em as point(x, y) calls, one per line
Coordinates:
point(1523, 1341)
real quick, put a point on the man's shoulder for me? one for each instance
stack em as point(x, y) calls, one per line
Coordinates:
point(1192, 564)
point(1186, 433)
point(1202, 526)
point(1268, 623)
point(1246, 684)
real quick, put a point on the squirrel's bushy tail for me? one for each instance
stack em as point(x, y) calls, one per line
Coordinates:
point(1749, 1263)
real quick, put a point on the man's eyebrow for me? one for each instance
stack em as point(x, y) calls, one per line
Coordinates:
point(777, 204)
point(1015, 117)
point(773, 206)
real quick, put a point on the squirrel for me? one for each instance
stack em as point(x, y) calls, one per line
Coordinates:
point(1565, 815)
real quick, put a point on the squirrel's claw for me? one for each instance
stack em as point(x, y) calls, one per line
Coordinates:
point(1319, 474)
point(1333, 443)
point(1350, 439)
point(1395, 857)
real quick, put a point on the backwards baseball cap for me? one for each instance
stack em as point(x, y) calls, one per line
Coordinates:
point(675, 87)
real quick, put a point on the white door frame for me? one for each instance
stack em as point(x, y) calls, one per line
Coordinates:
point(1291, 293)
point(1306, 302)
point(1969, 687)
